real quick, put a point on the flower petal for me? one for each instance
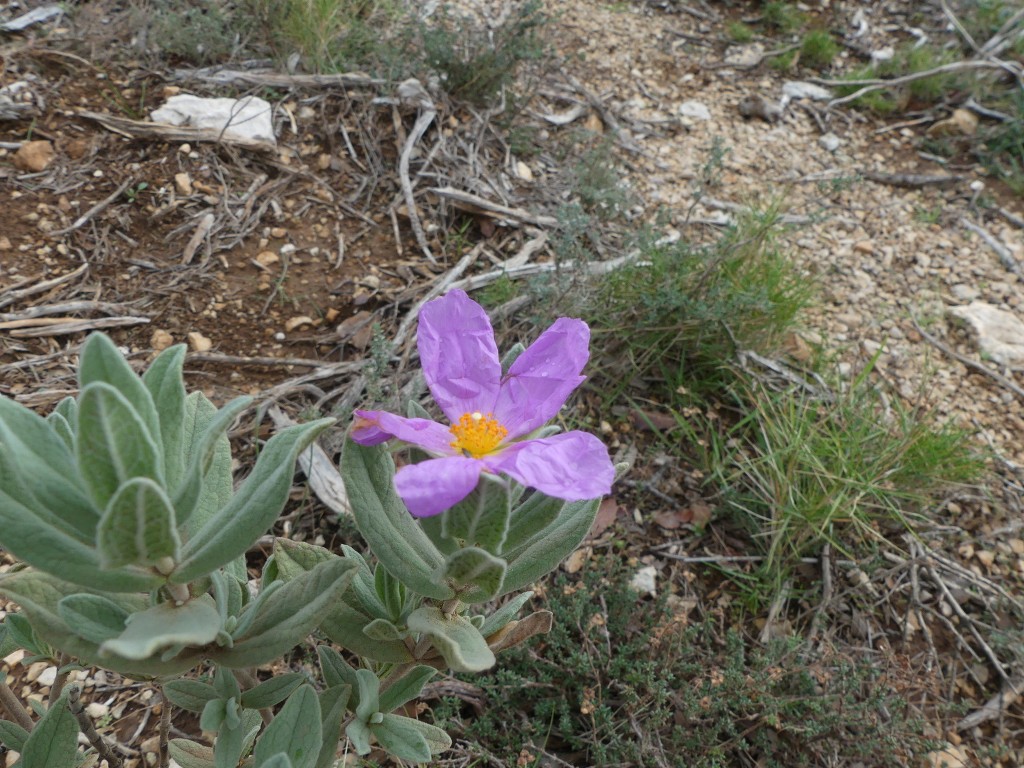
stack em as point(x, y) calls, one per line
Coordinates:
point(373, 427)
point(573, 466)
point(432, 486)
point(459, 356)
point(542, 378)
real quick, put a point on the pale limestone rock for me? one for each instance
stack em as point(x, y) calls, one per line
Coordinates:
point(1000, 334)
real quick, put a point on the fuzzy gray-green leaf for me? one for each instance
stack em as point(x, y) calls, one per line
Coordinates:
point(295, 731)
point(252, 509)
point(165, 625)
point(53, 742)
point(476, 575)
point(406, 689)
point(393, 535)
point(272, 692)
point(542, 554)
point(410, 739)
point(455, 637)
point(164, 381)
point(113, 443)
point(482, 518)
point(138, 526)
point(191, 695)
point(94, 617)
point(189, 754)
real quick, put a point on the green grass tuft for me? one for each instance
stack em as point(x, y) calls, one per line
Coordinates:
point(818, 49)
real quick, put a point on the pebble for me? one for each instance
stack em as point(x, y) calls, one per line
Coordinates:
point(34, 156)
point(296, 322)
point(198, 342)
point(278, 233)
point(183, 184)
point(829, 142)
point(267, 258)
point(160, 340)
point(696, 110)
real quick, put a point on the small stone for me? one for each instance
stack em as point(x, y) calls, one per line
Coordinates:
point(48, 677)
point(267, 258)
point(288, 249)
point(96, 710)
point(744, 56)
point(297, 322)
point(278, 233)
point(985, 557)
point(962, 122)
point(523, 171)
point(1000, 334)
point(593, 123)
point(185, 149)
point(34, 671)
point(331, 315)
point(964, 292)
point(949, 757)
point(198, 342)
point(183, 183)
point(574, 562)
point(756, 105)
point(695, 110)
point(864, 246)
point(34, 156)
point(829, 142)
point(1016, 546)
point(76, 149)
point(5, 243)
point(645, 581)
point(160, 340)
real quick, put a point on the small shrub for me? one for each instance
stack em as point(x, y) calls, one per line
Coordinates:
point(818, 49)
point(476, 65)
point(783, 17)
point(598, 182)
point(850, 471)
point(199, 34)
point(739, 32)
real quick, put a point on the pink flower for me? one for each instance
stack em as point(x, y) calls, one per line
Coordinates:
point(489, 414)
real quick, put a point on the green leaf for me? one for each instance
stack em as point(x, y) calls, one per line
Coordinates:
point(531, 518)
point(190, 695)
point(389, 529)
point(382, 630)
point(94, 617)
point(8, 644)
point(475, 575)
point(31, 539)
point(195, 623)
point(368, 686)
point(12, 736)
point(543, 553)
point(205, 443)
point(36, 460)
point(166, 387)
point(102, 362)
point(39, 596)
point(53, 743)
point(390, 591)
point(189, 754)
point(138, 526)
point(63, 428)
point(288, 615)
point(359, 734)
point(252, 509)
point(406, 689)
point(482, 518)
point(335, 669)
point(344, 621)
point(455, 638)
point(272, 692)
point(410, 739)
point(333, 703)
point(113, 443)
point(296, 731)
point(277, 761)
point(504, 614)
point(234, 740)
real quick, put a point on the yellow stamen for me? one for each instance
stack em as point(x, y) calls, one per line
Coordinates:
point(476, 434)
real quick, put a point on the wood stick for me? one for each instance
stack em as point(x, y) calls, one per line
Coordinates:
point(476, 204)
point(45, 285)
point(89, 728)
point(79, 326)
point(426, 117)
point(82, 220)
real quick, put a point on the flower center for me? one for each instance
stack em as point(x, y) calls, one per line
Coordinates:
point(477, 434)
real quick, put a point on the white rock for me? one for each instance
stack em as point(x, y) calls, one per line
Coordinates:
point(1000, 333)
point(97, 709)
point(48, 676)
point(883, 54)
point(829, 142)
point(744, 55)
point(964, 292)
point(246, 118)
point(523, 171)
point(645, 580)
point(695, 109)
point(797, 89)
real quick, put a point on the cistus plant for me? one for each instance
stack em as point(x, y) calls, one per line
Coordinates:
point(122, 506)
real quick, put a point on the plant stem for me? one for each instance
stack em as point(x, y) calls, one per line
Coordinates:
point(89, 729)
point(60, 680)
point(165, 732)
point(13, 706)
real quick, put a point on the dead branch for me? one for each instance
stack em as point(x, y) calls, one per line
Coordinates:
point(318, 467)
point(995, 706)
point(1005, 257)
point(268, 79)
point(79, 326)
point(912, 180)
point(411, 91)
point(13, 296)
point(92, 212)
point(471, 203)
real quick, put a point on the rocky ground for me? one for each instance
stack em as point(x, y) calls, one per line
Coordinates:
point(273, 262)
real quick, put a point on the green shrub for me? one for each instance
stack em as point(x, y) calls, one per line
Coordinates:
point(818, 49)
